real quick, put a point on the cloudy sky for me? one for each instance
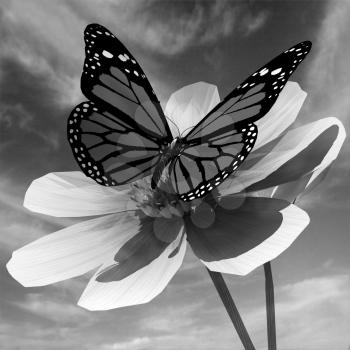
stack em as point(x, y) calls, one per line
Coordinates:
point(177, 43)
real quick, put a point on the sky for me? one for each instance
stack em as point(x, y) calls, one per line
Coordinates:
point(177, 43)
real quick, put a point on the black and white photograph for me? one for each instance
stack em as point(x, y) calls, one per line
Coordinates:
point(174, 175)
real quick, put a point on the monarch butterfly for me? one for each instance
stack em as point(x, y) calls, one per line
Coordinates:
point(121, 134)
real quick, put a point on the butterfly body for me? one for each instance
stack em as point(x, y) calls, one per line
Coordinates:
point(168, 155)
point(121, 134)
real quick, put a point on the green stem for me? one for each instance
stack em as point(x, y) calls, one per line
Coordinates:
point(270, 307)
point(231, 309)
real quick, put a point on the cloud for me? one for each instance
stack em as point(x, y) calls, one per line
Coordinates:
point(18, 225)
point(328, 78)
point(328, 87)
point(164, 27)
point(134, 344)
point(316, 313)
point(33, 124)
point(32, 35)
point(59, 311)
point(310, 314)
point(47, 37)
point(253, 22)
point(31, 337)
point(198, 23)
point(182, 317)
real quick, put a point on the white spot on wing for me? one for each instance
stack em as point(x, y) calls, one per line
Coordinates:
point(276, 71)
point(107, 54)
point(263, 71)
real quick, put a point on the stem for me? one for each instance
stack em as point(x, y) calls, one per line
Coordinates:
point(231, 309)
point(270, 307)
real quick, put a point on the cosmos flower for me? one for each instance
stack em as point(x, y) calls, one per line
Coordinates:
point(137, 237)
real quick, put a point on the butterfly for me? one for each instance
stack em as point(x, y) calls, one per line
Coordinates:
point(121, 133)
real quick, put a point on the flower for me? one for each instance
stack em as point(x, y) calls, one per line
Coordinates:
point(137, 240)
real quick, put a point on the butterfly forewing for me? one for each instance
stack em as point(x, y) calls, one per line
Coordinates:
point(226, 135)
point(109, 150)
point(113, 79)
point(252, 99)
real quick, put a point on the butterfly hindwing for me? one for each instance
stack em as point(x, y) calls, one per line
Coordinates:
point(109, 150)
point(226, 135)
point(200, 168)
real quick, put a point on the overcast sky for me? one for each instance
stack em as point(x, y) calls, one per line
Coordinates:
point(177, 43)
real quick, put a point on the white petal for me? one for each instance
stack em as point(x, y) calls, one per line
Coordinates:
point(291, 190)
point(294, 155)
point(333, 151)
point(281, 115)
point(187, 106)
point(295, 220)
point(72, 251)
point(72, 194)
point(138, 288)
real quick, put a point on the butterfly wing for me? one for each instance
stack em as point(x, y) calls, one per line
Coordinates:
point(118, 135)
point(221, 141)
point(109, 150)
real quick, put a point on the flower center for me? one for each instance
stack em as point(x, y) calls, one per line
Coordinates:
point(159, 202)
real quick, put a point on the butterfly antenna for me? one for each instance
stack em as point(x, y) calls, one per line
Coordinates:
point(171, 121)
point(190, 127)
